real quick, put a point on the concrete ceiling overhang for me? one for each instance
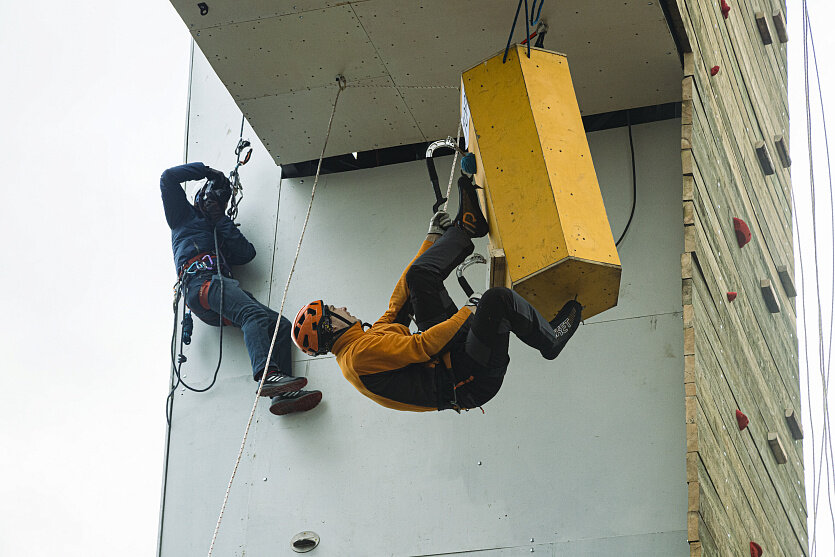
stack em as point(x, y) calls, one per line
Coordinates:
point(403, 59)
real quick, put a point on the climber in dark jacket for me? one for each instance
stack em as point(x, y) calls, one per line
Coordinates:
point(201, 269)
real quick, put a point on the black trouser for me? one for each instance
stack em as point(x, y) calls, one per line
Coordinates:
point(481, 350)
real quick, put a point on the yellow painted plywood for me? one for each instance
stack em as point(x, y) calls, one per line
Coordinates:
point(543, 202)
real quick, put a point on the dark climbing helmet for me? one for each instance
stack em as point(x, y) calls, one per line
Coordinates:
point(312, 329)
point(217, 189)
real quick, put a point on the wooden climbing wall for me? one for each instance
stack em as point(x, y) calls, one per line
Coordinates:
point(740, 354)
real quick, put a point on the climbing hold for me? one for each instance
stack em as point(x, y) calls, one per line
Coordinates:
point(726, 9)
point(741, 420)
point(743, 233)
point(762, 26)
point(714, 70)
point(731, 296)
point(756, 550)
point(204, 8)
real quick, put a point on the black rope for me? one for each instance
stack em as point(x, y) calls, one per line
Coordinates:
point(529, 21)
point(178, 359)
point(634, 181)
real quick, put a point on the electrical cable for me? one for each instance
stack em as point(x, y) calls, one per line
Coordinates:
point(826, 450)
point(634, 181)
point(827, 444)
point(178, 359)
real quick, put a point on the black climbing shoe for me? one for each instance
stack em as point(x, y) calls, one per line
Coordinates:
point(470, 219)
point(296, 401)
point(565, 325)
point(277, 383)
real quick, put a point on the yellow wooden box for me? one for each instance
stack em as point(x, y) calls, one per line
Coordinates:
point(543, 201)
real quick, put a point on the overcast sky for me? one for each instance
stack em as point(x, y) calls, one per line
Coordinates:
point(93, 106)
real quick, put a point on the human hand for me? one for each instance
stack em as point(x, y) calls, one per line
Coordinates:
point(440, 222)
point(213, 210)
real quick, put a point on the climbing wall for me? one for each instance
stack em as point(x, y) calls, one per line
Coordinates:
point(744, 453)
point(580, 456)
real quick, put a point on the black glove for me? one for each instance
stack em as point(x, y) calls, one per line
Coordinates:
point(213, 174)
point(213, 210)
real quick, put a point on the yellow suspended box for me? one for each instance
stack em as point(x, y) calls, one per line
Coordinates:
point(543, 201)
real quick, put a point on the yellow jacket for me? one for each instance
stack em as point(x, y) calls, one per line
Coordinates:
point(392, 366)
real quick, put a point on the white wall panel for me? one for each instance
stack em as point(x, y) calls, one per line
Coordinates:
point(584, 454)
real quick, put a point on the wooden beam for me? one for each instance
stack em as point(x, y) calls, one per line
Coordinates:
point(689, 64)
point(782, 151)
point(780, 26)
point(777, 448)
point(770, 296)
point(687, 265)
point(498, 268)
point(764, 158)
point(762, 26)
point(687, 188)
point(786, 281)
point(688, 213)
point(794, 424)
point(686, 136)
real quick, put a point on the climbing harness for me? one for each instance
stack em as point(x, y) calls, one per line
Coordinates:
point(529, 20)
point(448, 143)
point(340, 80)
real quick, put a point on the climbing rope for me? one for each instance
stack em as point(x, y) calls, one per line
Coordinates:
point(342, 85)
point(454, 162)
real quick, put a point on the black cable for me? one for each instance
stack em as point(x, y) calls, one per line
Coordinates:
point(177, 361)
point(634, 181)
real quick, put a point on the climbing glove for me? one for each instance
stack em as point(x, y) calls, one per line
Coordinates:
point(213, 210)
point(440, 222)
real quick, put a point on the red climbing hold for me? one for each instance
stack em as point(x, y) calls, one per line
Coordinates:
point(756, 550)
point(741, 420)
point(743, 233)
point(726, 9)
point(714, 70)
point(731, 296)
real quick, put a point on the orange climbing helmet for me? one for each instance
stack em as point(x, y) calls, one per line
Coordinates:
point(313, 329)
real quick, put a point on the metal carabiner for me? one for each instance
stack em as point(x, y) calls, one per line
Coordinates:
point(242, 144)
point(448, 143)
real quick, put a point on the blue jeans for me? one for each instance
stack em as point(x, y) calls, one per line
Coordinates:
point(256, 320)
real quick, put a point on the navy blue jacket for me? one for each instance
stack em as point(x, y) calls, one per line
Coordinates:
point(191, 233)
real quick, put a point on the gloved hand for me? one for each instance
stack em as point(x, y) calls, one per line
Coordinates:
point(440, 222)
point(213, 210)
point(469, 165)
point(213, 174)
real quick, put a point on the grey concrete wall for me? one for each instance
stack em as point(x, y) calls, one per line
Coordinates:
point(583, 455)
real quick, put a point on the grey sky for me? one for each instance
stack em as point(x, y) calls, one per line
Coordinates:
point(93, 105)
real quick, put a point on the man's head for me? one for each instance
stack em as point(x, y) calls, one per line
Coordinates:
point(214, 195)
point(317, 327)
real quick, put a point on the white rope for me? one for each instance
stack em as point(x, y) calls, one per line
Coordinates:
point(454, 161)
point(342, 86)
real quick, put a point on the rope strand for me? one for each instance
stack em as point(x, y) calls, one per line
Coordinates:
point(342, 86)
point(454, 161)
